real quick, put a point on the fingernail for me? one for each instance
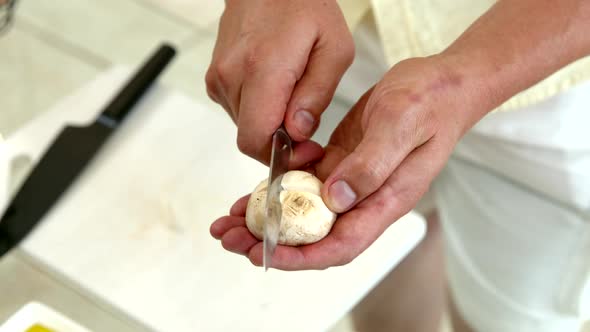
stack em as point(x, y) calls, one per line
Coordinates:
point(304, 121)
point(341, 196)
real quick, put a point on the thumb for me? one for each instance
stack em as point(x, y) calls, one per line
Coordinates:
point(365, 169)
point(315, 90)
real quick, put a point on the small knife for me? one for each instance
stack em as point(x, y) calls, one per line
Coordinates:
point(279, 165)
point(69, 154)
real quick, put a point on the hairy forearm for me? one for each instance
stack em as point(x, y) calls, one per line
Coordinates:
point(518, 43)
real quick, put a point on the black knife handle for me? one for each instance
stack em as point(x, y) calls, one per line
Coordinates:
point(4, 244)
point(122, 104)
point(12, 228)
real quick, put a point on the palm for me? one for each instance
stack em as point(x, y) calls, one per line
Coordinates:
point(352, 233)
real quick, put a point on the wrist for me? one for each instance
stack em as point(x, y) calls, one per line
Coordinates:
point(500, 58)
point(478, 82)
point(452, 98)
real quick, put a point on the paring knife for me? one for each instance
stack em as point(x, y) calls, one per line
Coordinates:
point(279, 165)
point(69, 154)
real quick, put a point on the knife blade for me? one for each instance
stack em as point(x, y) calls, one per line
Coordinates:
point(71, 152)
point(279, 165)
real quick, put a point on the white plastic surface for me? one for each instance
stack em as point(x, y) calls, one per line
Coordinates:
point(134, 230)
point(37, 313)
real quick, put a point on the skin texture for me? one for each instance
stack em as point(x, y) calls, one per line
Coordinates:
point(278, 61)
point(396, 139)
point(398, 136)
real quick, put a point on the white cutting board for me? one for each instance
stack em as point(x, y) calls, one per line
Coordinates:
point(134, 230)
point(35, 313)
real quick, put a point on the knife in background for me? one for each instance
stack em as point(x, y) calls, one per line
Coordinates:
point(279, 165)
point(69, 154)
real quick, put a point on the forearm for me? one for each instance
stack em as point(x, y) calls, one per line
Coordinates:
point(518, 43)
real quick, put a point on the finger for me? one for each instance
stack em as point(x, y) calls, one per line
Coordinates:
point(211, 83)
point(222, 69)
point(262, 109)
point(217, 94)
point(222, 225)
point(343, 140)
point(386, 142)
point(305, 153)
point(351, 235)
point(313, 93)
point(215, 90)
point(333, 155)
point(270, 76)
point(229, 80)
point(357, 229)
point(411, 180)
point(239, 207)
point(255, 254)
point(238, 240)
point(360, 174)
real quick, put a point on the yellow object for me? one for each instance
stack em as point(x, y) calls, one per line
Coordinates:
point(417, 28)
point(354, 11)
point(39, 328)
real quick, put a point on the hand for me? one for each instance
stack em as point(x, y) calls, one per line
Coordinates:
point(278, 61)
point(389, 148)
point(379, 162)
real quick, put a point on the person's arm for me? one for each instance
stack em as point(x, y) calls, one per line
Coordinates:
point(517, 43)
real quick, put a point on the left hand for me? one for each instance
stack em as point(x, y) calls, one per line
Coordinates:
point(379, 162)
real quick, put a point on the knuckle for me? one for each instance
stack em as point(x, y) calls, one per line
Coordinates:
point(290, 77)
point(380, 102)
point(415, 122)
point(223, 72)
point(245, 145)
point(372, 173)
point(253, 259)
point(346, 258)
point(429, 126)
point(343, 48)
point(253, 58)
point(212, 94)
point(322, 91)
point(210, 80)
point(409, 196)
point(348, 50)
point(211, 85)
point(226, 246)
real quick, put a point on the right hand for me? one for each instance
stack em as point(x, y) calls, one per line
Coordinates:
point(275, 62)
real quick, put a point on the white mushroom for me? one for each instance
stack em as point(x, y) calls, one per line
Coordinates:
point(305, 219)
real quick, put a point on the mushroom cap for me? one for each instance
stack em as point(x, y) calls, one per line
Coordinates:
point(305, 217)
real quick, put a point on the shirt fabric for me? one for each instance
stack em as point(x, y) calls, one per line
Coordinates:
point(417, 28)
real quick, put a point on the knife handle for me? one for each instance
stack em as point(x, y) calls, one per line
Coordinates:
point(122, 104)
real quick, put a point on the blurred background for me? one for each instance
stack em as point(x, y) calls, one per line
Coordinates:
point(53, 47)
